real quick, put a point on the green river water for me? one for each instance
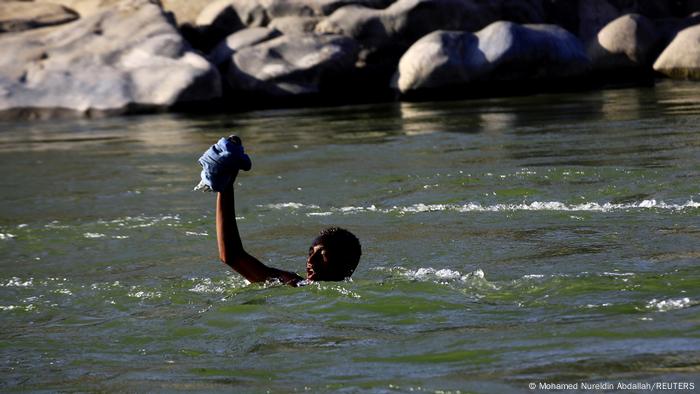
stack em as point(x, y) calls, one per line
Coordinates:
point(549, 239)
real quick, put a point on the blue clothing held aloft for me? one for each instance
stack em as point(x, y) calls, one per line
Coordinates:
point(220, 164)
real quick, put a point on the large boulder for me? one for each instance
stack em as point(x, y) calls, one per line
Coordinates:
point(223, 17)
point(185, 11)
point(681, 59)
point(385, 34)
point(281, 8)
point(629, 42)
point(405, 21)
point(294, 24)
point(22, 15)
point(594, 15)
point(220, 19)
point(221, 55)
point(292, 66)
point(122, 59)
point(502, 54)
point(82, 7)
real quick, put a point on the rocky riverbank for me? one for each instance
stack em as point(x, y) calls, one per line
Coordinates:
point(108, 57)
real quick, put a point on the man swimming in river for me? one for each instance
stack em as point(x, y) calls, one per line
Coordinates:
point(333, 255)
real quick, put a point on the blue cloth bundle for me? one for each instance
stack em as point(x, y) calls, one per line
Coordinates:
point(220, 164)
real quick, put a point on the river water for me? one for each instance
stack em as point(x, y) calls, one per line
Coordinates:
point(549, 238)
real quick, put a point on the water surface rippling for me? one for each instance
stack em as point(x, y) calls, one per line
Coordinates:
point(550, 238)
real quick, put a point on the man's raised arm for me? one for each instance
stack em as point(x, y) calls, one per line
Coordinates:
point(231, 250)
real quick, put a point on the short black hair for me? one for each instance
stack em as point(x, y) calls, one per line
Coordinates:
point(344, 244)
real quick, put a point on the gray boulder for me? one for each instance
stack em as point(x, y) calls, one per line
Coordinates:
point(501, 52)
point(223, 17)
point(281, 8)
point(83, 7)
point(294, 24)
point(681, 58)
point(594, 15)
point(628, 42)
point(185, 11)
point(221, 55)
point(405, 21)
point(122, 59)
point(290, 66)
point(22, 15)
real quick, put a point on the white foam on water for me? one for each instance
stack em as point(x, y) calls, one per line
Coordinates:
point(614, 274)
point(319, 213)
point(143, 221)
point(442, 275)
point(105, 286)
point(193, 233)
point(292, 205)
point(93, 235)
point(25, 308)
point(63, 291)
point(533, 276)
point(55, 225)
point(6, 236)
point(670, 304)
point(208, 286)
point(17, 282)
point(135, 292)
point(554, 206)
point(338, 289)
point(603, 305)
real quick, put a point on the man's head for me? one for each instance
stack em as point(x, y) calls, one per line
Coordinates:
point(333, 255)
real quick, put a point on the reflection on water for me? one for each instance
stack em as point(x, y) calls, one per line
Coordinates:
point(505, 240)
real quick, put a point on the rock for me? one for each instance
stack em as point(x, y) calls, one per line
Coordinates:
point(223, 17)
point(17, 16)
point(681, 59)
point(216, 21)
point(290, 66)
point(628, 42)
point(441, 59)
point(594, 15)
point(405, 21)
point(185, 11)
point(501, 52)
point(83, 7)
point(385, 34)
point(123, 59)
point(282, 8)
point(221, 55)
point(294, 24)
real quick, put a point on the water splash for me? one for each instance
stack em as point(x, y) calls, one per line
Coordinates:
point(6, 236)
point(671, 304)
point(554, 206)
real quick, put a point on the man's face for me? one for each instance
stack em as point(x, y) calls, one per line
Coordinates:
point(317, 264)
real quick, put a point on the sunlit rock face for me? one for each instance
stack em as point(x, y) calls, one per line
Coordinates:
point(121, 59)
point(292, 65)
point(681, 59)
point(501, 52)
